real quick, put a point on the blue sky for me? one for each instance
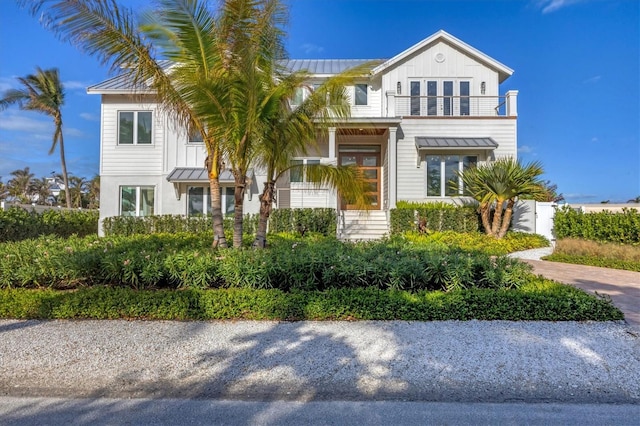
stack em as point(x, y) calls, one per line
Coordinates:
point(576, 66)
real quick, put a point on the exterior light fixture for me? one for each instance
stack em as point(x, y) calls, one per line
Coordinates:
point(483, 88)
point(399, 88)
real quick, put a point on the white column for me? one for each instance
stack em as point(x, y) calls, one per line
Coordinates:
point(391, 103)
point(393, 172)
point(332, 143)
point(512, 103)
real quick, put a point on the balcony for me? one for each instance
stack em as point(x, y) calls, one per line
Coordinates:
point(452, 106)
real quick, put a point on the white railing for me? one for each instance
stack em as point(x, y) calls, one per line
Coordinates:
point(450, 106)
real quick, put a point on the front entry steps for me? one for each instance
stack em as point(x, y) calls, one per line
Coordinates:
point(362, 225)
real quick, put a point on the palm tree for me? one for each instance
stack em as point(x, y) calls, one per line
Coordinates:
point(77, 186)
point(3, 190)
point(20, 185)
point(42, 92)
point(42, 189)
point(635, 200)
point(183, 31)
point(497, 185)
point(292, 130)
point(93, 188)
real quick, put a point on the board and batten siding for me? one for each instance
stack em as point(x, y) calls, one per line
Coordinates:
point(130, 159)
point(374, 100)
point(410, 162)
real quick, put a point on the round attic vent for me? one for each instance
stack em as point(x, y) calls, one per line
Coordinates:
point(439, 57)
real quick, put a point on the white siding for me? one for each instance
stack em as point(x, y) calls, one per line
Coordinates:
point(130, 159)
point(411, 174)
point(374, 101)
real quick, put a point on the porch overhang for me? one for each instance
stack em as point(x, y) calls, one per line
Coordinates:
point(199, 175)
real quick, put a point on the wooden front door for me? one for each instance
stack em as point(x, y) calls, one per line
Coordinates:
point(369, 163)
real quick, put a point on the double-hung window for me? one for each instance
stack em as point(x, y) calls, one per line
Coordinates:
point(442, 178)
point(195, 136)
point(361, 94)
point(297, 174)
point(137, 200)
point(134, 127)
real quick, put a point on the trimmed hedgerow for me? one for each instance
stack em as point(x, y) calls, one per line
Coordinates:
point(19, 224)
point(605, 226)
point(318, 220)
point(539, 299)
point(433, 217)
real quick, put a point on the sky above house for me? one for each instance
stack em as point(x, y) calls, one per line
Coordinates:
point(576, 62)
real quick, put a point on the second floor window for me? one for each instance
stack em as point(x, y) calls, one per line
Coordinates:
point(195, 136)
point(134, 127)
point(297, 174)
point(361, 94)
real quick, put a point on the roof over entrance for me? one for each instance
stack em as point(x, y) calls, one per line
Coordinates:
point(425, 142)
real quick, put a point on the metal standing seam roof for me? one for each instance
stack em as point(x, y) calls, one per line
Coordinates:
point(120, 83)
point(425, 142)
point(199, 174)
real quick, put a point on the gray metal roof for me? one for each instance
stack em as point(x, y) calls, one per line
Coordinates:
point(424, 142)
point(323, 66)
point(121, 84)
point(199, 174)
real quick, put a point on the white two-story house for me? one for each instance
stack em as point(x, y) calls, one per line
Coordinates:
point(416, 119)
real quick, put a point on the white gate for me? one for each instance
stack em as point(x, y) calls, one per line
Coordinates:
point(544, 219)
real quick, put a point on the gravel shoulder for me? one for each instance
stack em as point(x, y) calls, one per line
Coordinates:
point(474, 361)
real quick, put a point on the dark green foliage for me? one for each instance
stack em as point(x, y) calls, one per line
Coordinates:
point(18, 224)
point(290, 263)
point(538, 299)
point(321, 221)
point(605, 226)
point(433, 217)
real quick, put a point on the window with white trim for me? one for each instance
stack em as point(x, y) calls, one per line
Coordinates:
point(298, 175)
point(199, 200)
point(195, 136)
point(137, 200)
point(441, 173)
point(361, 94)
point(134, 127)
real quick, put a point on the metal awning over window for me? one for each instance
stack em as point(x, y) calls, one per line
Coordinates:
point(199, 174)
point(424, 142)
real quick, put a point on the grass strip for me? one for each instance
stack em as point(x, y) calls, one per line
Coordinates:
point(603, 262)
point(540, 300)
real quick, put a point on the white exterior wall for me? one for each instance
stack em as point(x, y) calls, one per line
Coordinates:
point(411, 169)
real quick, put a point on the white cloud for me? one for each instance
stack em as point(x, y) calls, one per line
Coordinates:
point(18, 121)
point(75, 85)
point(592, 80)
point(311, 48)
point(525, 149)
point(89, 117)
point(6, 84)
point(549, 6)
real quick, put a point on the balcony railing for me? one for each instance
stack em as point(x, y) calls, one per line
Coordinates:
point(452, 106)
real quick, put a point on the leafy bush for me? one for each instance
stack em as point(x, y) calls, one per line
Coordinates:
point(186, 261)
point(538, 299)
point(433, 217)
point(605, 226)
point(18, 224)
point(321, 221)
point(479, 242)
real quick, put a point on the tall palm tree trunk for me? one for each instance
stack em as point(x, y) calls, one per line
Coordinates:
point(240, 184)
point(63, 165)
point(266, 205)
point(219, 239)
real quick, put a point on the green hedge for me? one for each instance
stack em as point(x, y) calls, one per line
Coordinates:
point(538, 300)
point(433, 217)
point(18, 224)
point(605, 226)
point(322, 221)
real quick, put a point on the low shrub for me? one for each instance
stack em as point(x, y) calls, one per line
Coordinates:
point(537, 300)
point(317, 263)
point(433, 217)
point(605, 226)
point(301, 221)
point(19, 224)
point(479, 242)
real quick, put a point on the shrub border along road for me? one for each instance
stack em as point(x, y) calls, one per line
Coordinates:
point(539, 300)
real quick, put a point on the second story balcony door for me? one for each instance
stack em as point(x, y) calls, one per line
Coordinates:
point(367, 158)
point(439, 97)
